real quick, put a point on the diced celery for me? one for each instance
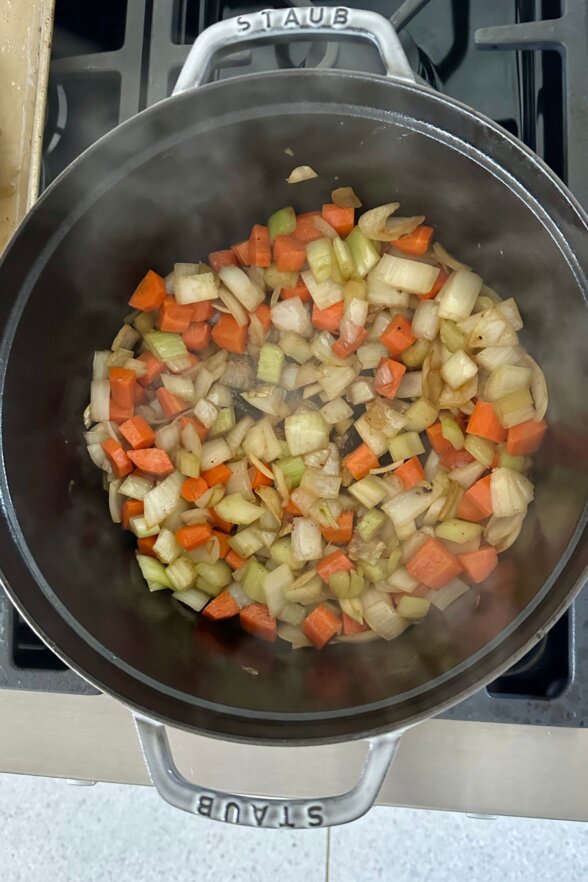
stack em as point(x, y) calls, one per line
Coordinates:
point(153, 571)
point(188, 464)
point(413, 608)
point(282, 222)
point(164, 345)
point(193, 598)
point(281, 553)
point(319, 254)
point(218, 574)
point(405, 445)
point(310, 592)
point(295, 346)
point(451, 431)
point(364, 255)
point(343, 258)
point(456, 530)
point(415, 355)
point(420, 415)
point(373, 572)
point(224, 422)
point(246, 542)
point(235, 509)
point(369, 491)
point(253, 579)
point(271, 361)
point(516, 463)
point(451, 336)
point(182, 573)
point(139, 527)
point(481, 449)
point(207, 587)
point(370, 523)
point(293, 468)
point(347, 584)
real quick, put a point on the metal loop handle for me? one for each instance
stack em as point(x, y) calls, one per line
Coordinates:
point(307, 22)
point(271, 813)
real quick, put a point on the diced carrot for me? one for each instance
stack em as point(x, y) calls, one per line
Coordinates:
point(415, 243)
point(149, 293)
point(258, 479)
point(140, 395)
point(154, 368)
point(218, 259)
point(220, 474)
point(131, 508)
point(476, 502)
point(264, 314)
point(360, 461)
point(119, 414)
point(336, 562)
point(289, 254)
point(260, 252)
point(305, 229)
point(171, 405)
point(241, 252)
point(137, 432)
point(321, 626)
point(436, 439)
point(328, 319)
point(256, 620)
point(344, 350)
point(388, 377)
point(292, 508)
point(193, 489)
point(201, 429)
point(479, 564)
point(343, 532)
point(227, 334)
point(197, 336)
point(119, 461)
point(341, 219)
point(173, 316)
point(439, 282)
point(145, 545)
point(152, 461)
point(453, 459)
point(234, 561)
point(411, 472)
point(222, 607)
point(193, 535)
point(223, 542)
point(433, 564)
point(350, 626)
point(398, 335)
point(299, 290)
point(217, 521)
point(484, 423)
point(122, 386)
point(203, 311)
point(526, 437)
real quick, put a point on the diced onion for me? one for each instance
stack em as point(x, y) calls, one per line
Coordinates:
point(301, 173)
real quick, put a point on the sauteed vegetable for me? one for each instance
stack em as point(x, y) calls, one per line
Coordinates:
point(324, 431)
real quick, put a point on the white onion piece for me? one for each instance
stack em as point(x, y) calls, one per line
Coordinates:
point(233, 306)
point(291, 315)
point(458, 295)
point(301, 173)
point(307, 543)
point(408, 275)
point(325, 228)
point(345, 197)
point(100, 400)
point(447, 259)
point(241, 286)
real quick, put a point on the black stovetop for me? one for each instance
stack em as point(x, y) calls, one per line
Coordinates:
point(112, 59)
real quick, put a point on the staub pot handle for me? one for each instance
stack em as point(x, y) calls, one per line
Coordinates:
point(308, 22)
point(253, 811)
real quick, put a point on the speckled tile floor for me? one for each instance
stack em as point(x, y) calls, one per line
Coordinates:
point(119, 833)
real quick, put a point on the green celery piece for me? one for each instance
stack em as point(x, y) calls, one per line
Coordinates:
point(282, 222)
point(363, 252)
point(271, 361)
point(293, 468)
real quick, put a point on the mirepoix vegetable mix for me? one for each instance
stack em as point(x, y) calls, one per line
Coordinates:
point(325, 430)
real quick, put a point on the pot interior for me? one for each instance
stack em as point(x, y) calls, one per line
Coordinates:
point(192, 176)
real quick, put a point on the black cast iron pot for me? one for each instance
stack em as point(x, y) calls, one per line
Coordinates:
point(174, 183)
